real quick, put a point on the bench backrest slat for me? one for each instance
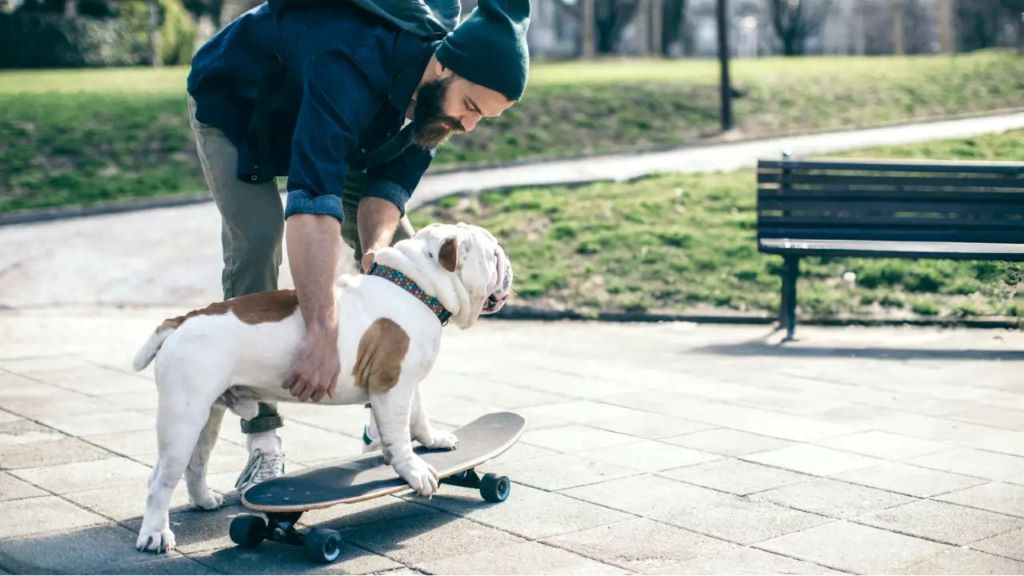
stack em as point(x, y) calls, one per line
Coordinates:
point(900, 201)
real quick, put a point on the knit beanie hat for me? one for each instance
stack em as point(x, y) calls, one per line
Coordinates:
point(489, 47)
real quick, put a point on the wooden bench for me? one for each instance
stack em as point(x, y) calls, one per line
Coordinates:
point(875, 208)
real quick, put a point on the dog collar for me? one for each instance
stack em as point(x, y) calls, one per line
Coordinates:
point(406, 283)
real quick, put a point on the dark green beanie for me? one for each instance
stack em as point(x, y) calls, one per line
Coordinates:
point(489, 47)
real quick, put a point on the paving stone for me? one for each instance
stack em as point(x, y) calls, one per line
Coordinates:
point(535, 514)
point(99, 422)
point(640, 545)
point(428, 537)
point(304, 443)
point(884, 445)
point(735, 476)
point(6, 417)
point(291, 560)
point(912, 480)
point(112, 473)
point(813, 459)
point(58, 362)
point(744, 521)
point(144, 400)
point(526, 558)
point(831, 498)
point(127, 502)
point(972, 462)
point(747, 561)
point(21, 431)
point(964, 561)
point(995, 496)
point(942, 522)
point(42, 514)
point(648, 495)
point(12, 488)
point(91, 380)
point(63, 451)
point(651, 426)
point(507, 396)
point(560, 471)
point(173, 565)
point(728, 442)
point(575, 438)
point(524, 451)
point(195, 530)
point(1010, 545)
point(42, 401)
point(991, 415)
point(648, 455)
point(854, 548)
point(89, 550)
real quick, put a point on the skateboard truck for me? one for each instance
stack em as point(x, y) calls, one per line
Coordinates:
point(493, 488)
point(249, 530)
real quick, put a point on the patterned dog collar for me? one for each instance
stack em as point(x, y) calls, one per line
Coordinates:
point(406, 283)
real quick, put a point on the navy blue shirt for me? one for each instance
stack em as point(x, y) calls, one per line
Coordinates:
point(313, 92)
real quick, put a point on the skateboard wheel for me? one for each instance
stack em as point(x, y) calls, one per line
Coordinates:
point(495, 488)
point(247, 530)
point(323, 545)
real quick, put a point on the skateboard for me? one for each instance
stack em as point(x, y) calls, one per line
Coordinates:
point(283, 500)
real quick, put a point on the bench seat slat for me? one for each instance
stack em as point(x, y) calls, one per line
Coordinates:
point(893, 165)
point(846, 194)
point(893, 180)
point(949, 224)
point(897, 233)
point(853, 207)
point(960, 250)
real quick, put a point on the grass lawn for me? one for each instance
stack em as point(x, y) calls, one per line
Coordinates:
point(86, 136)
point(687, 244)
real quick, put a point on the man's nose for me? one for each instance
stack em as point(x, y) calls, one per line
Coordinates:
point(469, 122)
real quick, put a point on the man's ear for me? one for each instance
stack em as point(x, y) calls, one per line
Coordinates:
point(448, 256)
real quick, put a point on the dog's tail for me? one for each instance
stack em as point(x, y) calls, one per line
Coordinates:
point(148, 351)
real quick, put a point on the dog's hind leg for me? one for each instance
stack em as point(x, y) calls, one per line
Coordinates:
point(182, 414)
point(195, 474)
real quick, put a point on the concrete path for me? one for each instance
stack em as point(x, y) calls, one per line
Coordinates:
point(172, 256)
point(666, 448)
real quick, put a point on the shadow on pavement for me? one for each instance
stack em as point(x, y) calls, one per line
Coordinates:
point(797, 350)
point(204, 547)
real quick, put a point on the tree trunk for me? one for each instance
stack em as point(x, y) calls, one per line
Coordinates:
point(656, 25)
point(587, 28)
point(70, 8)
point(154, 33)
point(898, 47)
point(946, 26)
point(723, 59)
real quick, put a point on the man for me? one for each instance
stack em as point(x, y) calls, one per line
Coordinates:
point(319, 92)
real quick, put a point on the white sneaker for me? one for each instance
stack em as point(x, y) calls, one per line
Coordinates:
point(262, 466)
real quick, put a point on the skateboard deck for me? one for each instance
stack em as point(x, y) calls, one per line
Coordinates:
point(369, 476)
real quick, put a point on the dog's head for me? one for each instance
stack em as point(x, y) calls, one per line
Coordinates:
point(477, 261)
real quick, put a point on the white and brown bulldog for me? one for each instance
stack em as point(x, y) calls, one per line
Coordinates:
point(235, 353)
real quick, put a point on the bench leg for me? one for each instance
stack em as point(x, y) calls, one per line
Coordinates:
point(787, 312)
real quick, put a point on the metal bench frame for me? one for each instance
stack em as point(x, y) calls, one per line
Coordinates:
point(885, 209)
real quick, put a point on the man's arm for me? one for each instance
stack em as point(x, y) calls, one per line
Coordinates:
point(314, 245)
point(337, 104)
point(390, 186)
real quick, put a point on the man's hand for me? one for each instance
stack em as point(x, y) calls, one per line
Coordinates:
point(367, 261)
point(316, 368)
point(314, 245)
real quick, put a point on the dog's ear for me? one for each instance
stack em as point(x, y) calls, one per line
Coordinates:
point(448, 256)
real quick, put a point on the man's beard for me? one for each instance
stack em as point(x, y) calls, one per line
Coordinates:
point(431, 127)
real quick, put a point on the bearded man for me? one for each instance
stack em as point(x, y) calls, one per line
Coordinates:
point(348, 99)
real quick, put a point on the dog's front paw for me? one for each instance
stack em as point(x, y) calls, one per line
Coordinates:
point(208, 501)
point(158, 541)
point(420, 475)
point(444, 440)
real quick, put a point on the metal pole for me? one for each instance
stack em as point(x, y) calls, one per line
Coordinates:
point(723, 58)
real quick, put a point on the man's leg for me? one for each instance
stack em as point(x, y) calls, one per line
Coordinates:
point(352, 193)
point(252, 229)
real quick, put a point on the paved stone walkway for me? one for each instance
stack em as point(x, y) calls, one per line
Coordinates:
point(659, 448)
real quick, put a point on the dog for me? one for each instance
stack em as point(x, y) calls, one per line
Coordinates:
point(235, 353)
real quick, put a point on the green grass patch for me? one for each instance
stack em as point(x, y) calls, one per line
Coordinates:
point(683, 243)
point(86, 136)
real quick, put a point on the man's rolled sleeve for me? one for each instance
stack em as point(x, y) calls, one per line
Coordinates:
point(302, 202)
point(337, 104)
point(396, 179)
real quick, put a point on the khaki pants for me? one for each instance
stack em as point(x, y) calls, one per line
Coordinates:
point(253, 227)
point(253, 218)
